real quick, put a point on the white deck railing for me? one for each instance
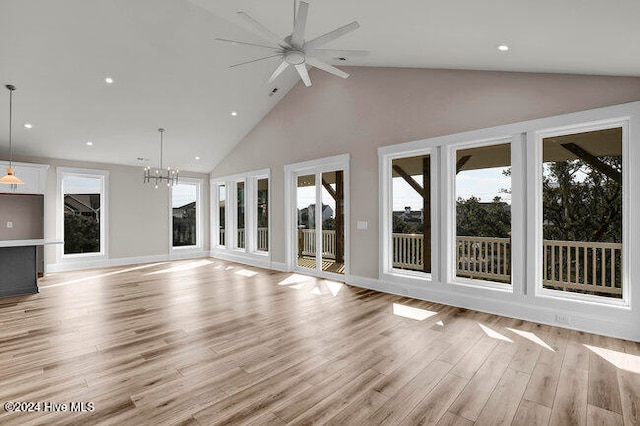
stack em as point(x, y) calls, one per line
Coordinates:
point(307, 243)
point(484, 258)
point(263, 238)
point(587, 266)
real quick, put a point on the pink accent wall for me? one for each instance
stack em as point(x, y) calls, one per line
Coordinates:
point(384, 106)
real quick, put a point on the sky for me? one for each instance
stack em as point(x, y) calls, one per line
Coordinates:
point(183, 194)
point(82, 185)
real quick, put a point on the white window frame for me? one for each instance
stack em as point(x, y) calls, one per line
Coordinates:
point(517, 223)
point(234, 220)
point(230, 250)
point(386, 155)
point(315, 167)
point(252, 213)
point(215, 215)
point(198, 183)
point(536, 152)
point(386, 214)
point(103, 176)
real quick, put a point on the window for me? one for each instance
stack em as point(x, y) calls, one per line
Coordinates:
point(82, 223)
point(262, 214)
point(185, 213)
point(222, 199)
point(582, 212)
point(483, 213)
point(240, 215)
point(411, 213)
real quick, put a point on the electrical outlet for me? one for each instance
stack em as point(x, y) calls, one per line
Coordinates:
point(9, 225)
point(563, 319)
point(362, 225)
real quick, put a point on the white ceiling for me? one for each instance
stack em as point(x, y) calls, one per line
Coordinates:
point(170, 72)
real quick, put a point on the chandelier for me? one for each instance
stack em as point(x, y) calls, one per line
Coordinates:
point(160, 174)
point(10, 178)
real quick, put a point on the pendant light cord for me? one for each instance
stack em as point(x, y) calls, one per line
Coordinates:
point(10, 121)
point(161, 145)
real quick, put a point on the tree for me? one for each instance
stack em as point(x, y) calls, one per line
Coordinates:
point(580, 203)
point(81, 234)
point(476, 219)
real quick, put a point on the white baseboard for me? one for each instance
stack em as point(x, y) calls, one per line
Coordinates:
point(250, 260)
point(79, 264)
point(512, 309)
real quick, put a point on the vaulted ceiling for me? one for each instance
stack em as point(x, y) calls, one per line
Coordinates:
point(169, 71)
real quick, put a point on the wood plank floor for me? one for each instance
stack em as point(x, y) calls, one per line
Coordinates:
point(211, 342)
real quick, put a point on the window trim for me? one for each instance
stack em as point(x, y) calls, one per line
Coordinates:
point(253, 215)
point(451, 200)
point(198, 183)
point(536, 152)
point(235, 216)
point(250, 204)
point(103, 175)
point(385, 162)
point(215, 214)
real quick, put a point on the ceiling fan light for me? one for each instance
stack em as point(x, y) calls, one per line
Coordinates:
point(10, 178)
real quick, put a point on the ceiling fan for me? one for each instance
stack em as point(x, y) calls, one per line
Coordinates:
point(294, 50)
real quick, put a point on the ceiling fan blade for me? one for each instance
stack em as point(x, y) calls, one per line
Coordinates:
point(339, 52)
point(283, 66)
point(255, 60)
point(304, 74)
point(246, 43)
point(332, 35)
point(297, 37)
point(315, 62)
point(263, 31)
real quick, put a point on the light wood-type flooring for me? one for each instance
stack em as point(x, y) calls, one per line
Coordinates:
point(210, 342)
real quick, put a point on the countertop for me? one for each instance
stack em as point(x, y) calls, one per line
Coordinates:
point(22, 243)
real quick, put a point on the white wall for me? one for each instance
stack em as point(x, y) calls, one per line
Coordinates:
point(377, 107)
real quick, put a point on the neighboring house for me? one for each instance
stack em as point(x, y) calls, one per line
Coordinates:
point(83, 205)
point(408, 215)
point(307, 215)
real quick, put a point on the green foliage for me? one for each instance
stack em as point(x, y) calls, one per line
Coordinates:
point(81, 234)
point(476, 219)
point(580, 203)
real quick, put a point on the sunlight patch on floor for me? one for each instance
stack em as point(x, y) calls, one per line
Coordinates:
point(93, 277)
point(440, 323)
point(246, 273)
point(620, 360)
point(183, 267)
point(295, 279)
point(327, 287)
point(334, 287)
point(494, 334)
point(531, 337)
point(411, 312)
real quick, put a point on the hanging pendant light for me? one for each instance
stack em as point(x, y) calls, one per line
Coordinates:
point(10, 177)
point(160, 175)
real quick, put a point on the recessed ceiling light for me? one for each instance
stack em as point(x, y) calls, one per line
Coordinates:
point(28, 125)
point(234, 113)
point(90, 143)
point(197, 158)
point(503, 48)
point(108, 80)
